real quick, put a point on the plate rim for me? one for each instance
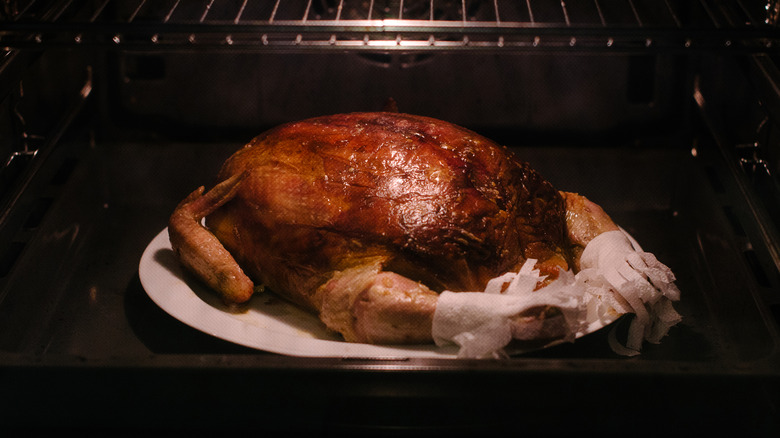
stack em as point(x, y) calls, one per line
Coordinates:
point(184, 304)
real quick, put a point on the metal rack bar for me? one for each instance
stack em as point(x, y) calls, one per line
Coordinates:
point(57, 12)
point(495, 24)
point(339, 9)
point(306, 12)
point(673, 14)
point(240, 12)
point(24, 11)
point(601, 13)
point(565, 13)
point(273, 12)
point(636, 13)
point(136, 11)
point(206, 11)
point(170, 12)
point(98, 11)
point(709, 12)
point(748, 14)
point(462, 11)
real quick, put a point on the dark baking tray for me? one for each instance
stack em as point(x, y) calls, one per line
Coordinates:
point(82, 342)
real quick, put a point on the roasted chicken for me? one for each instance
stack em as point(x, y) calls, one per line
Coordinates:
point(365, 218)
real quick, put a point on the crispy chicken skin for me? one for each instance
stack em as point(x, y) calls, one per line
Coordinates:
point(363, 218)
point(584, 221)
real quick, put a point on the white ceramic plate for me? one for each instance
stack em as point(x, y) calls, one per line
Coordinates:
point(266, 322)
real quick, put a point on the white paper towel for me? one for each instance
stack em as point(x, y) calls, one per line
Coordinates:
point(617, 277)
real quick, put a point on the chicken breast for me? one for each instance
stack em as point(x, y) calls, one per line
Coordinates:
point(364, 218)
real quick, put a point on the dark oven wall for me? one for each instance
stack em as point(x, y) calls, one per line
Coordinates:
point(542, 96)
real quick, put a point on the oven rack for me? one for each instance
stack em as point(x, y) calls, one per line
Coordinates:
point(428, 25)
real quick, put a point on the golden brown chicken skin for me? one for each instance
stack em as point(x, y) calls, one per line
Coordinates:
point(363, 218)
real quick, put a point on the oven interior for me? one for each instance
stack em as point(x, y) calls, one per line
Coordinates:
point(665, 113)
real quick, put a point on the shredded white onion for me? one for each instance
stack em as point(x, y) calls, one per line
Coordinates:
point(617, 277)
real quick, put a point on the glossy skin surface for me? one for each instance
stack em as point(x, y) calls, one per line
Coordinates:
point(584, 221)
point(364, 217)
